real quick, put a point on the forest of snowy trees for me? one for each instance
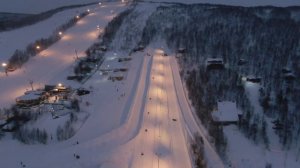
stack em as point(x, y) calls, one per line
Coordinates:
point(266, 39)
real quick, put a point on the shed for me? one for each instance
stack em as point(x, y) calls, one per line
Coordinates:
point(227, 113)
point(214, 63)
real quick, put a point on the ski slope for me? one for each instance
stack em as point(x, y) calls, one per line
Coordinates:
point(11, 40)
point(161, 140)
point(53, 65)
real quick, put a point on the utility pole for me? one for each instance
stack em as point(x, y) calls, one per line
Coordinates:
point(31, 84)
point(76, 54)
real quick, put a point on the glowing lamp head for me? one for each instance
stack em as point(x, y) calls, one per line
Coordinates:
point(60, 33)
point(59, 84)
point(38, 47)
point(88, 10)
point(100, 3)
point(4, 64)
point(77, 17)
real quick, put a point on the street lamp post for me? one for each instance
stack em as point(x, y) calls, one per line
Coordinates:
point(4, 65)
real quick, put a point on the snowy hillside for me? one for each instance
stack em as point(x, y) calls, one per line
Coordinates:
point(246, 3)
point(37, 6)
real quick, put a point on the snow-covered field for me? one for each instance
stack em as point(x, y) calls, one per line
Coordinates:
point(246, 3)
point(37, 6)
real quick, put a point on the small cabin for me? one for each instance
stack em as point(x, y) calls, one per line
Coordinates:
point(253, 79)
point(227, 113)
point(181, 50)
point(289, 76)
point(116, 77)
point(103, 48)
point(214, 63)
point(139, 48)
point(286, 70)
point(242, 62)
point(124, 59)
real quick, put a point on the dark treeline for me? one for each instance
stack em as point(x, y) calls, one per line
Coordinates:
point(267, 38)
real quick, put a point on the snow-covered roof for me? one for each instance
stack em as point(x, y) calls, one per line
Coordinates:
point(227, 112)
point(214, 60)
point(111, 65)
point(29, 96)
point(35, 92)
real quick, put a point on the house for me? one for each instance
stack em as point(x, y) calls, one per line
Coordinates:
point(286, 70)
point(181, 50)
point(242, 62)
point(112, 65)
point(138, 48)
point(214, 63)
point(253, 79)
point(289, 76)
point(55, 89)
point(124, 59)
point(226, 113)
point(116, 77)
point(103, 48)
point(31, 98)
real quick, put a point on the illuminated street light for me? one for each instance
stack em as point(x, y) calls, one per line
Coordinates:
point(60, 33)
point(59, 84)
point(38, 47)
point(98, 27)
point(4, 64)
point(88, 10)
point(100, 3)
point(77, 17)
